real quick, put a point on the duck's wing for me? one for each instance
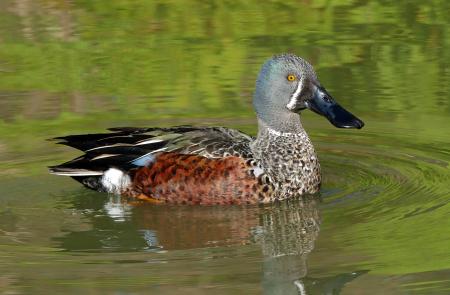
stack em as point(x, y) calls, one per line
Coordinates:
point(128, 147)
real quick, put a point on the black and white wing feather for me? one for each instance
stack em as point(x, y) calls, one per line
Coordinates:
point(128, 147)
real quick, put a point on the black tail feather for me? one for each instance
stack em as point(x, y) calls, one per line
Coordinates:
point(92, 182)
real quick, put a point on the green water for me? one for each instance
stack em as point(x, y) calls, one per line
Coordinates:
point(381, 224)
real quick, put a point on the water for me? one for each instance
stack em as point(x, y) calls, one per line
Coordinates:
point(381, 224)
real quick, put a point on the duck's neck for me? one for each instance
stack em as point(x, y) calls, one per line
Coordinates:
point(289, 128)
point(284, 122)
point(288, 156)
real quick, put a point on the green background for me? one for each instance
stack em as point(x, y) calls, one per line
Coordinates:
point(70, 67)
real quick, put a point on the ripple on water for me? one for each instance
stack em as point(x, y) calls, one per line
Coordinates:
point(388, 200)
point(386, 170)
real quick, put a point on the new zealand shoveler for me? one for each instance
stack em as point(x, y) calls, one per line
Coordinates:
point(217, 165)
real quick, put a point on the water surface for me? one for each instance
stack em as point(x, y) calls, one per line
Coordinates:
point(381, 223)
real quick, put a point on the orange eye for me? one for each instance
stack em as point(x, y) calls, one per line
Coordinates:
point(291, 78)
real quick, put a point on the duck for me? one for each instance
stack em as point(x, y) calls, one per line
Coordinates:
point(217, 165)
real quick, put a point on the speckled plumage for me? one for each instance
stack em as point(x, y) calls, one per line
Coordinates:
point(193, 179)
point(290, 161)
point(217, 165)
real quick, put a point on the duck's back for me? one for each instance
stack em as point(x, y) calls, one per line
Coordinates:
point(211, 165)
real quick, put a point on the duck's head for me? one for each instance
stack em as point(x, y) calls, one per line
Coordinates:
point(288, 84)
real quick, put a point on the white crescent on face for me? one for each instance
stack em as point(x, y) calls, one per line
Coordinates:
point(293, 100)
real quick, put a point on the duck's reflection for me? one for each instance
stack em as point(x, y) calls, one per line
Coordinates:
point(285, 231)
point(287, 234)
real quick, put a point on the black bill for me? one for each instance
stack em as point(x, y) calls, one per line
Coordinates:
point(323, 104)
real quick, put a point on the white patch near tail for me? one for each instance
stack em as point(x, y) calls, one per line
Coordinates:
point(115, 181)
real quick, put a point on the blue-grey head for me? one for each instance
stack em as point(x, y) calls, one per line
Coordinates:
point(288, 84)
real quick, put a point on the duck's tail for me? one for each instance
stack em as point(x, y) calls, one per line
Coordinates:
point(107, 160)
